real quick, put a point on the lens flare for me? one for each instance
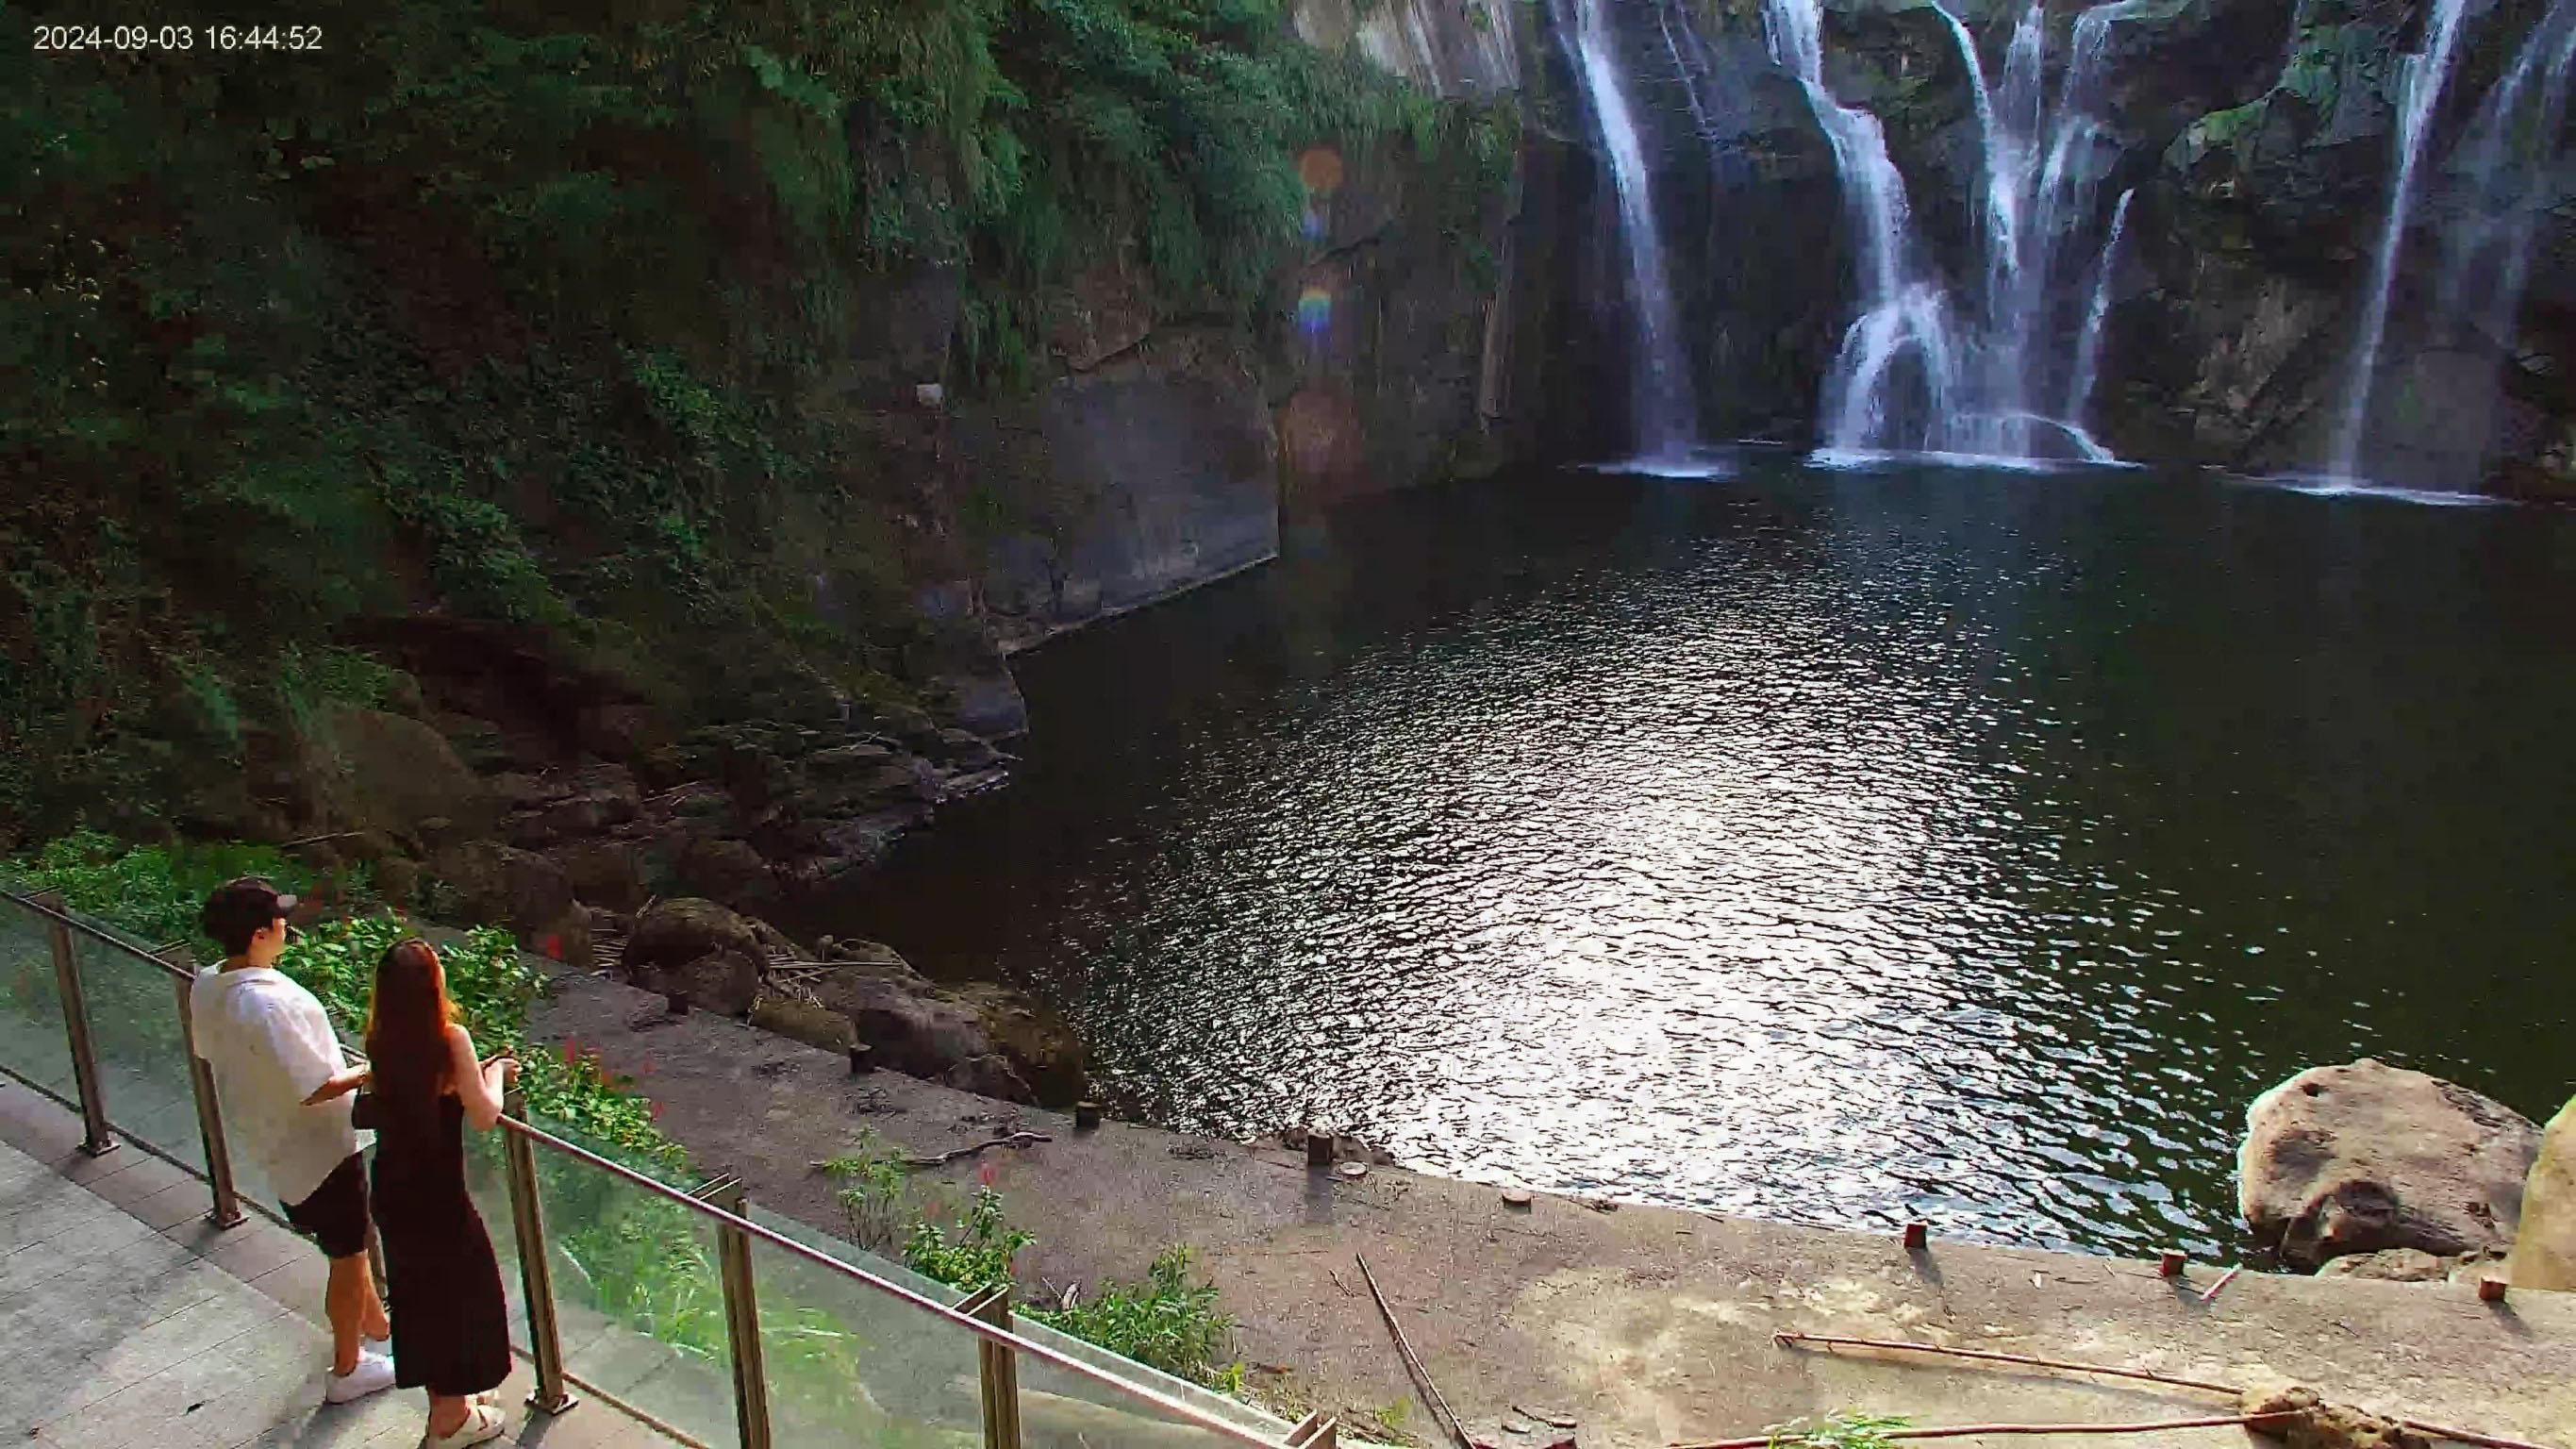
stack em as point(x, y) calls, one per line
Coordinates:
point(1314, 311)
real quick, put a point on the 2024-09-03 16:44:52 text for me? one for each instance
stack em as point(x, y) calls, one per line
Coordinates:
point(216, 37)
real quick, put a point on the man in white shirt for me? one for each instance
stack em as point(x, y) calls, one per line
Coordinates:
point(271, 1045)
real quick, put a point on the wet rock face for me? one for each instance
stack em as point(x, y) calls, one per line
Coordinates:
point(2364, 1157)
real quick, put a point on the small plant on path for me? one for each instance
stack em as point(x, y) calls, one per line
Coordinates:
point(1845, 1430)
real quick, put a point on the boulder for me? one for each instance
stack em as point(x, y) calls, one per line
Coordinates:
point(990, 1075)
point(393, 772)
point(604, 873)
point(906, 1024)
point(677, 932)
point(797, 1019)
point(498, 884)
point(2365, 1156)
point(2544, 1252)
point(727, 870)
point(2413, 1265)
point(725, 982)
point(1039, 1043)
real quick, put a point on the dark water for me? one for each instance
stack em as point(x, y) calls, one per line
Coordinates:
point(1825, 846)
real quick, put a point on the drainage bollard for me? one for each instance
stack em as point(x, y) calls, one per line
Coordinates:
point(2170, 1264)
point(1319, 1148)
point(1086, 1116)
point(1918, 1236)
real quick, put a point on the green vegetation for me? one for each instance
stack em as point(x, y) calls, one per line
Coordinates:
point(870, 1185)
point(638, 1258)
point(978, 1255)
point(1845, 1430)
point(538, 318)
point(1170, 1321)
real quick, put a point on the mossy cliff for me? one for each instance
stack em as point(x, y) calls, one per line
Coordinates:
point(564, 379)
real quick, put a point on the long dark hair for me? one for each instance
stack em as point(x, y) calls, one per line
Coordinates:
point(407, 1029)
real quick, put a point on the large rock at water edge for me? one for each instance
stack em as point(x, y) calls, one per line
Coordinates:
point(2544, 1252)
point(676, 932)
point(2365, 1156)
point(984, 1038)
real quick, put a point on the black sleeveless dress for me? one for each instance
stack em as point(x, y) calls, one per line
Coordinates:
point(451, 1322)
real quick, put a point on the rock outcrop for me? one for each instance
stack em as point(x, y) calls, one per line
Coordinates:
point(2364, 1156)
point(2544, 1250)
point(980, 1038)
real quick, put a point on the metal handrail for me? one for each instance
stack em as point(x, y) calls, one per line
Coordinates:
point(1198, 1417)
point(1316, 1433)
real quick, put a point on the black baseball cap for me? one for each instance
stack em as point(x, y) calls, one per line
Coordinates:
point(241, 909)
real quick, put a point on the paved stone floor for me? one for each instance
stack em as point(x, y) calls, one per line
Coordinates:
point(127, 1320)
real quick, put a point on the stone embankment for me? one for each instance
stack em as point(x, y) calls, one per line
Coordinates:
point(1643, 1326)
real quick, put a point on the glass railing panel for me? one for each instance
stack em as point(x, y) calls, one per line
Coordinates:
point(849, 1364)
point(32, 1044)
point(1059, 1406)
point(142, 1048)
point(638, 1294)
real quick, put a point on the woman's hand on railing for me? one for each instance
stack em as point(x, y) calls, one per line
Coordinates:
point(340, 1085)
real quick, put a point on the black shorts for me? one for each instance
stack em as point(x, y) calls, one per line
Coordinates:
point(336, 1214)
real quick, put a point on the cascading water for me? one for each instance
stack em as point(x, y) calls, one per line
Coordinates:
point(2040, 177)
point(1902, 315)
point(1665, 421)
point(2502, 168)
point(1975, 378)
point(2426, 74)
point(2088, 343)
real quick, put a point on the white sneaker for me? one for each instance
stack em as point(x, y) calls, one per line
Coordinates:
point(482, 1422)
point(374, 1373)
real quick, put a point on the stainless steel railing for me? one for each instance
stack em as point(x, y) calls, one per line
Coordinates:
point(720, 1203)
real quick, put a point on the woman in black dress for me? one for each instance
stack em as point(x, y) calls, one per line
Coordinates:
point(451, 1322)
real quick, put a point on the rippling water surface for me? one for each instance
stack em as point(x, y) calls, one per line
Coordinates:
point(1833, 847)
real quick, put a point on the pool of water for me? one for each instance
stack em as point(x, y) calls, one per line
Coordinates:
point(1842, 847)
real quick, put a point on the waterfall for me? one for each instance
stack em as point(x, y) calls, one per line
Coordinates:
point(1901, 315)
point(2504, 163)
point(2038, 195)
point(1979, 371)
point(2088, 344)
point(2426, 74)
point(1660, 383)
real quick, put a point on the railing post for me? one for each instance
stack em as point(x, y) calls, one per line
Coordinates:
point(67, 984)
point(226, 1212)
point(742, 1313)
point(1315, 1431)
point(1000, 1368)
point(536, 1269)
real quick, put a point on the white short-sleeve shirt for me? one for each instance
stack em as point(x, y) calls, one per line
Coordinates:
point(271, 1046)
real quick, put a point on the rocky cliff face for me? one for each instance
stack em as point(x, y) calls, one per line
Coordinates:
point(1160, 449)
point(2259, 139)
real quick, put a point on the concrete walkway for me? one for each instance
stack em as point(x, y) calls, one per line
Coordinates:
point(127, 1320)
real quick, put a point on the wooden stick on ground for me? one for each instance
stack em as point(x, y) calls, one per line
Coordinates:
point(1964, 1431)
point(1016, 1139)
point(1421, 1374)
point(1786, 1339)
point(2420, 1426)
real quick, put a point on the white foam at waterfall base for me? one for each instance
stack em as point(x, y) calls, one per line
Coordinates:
point(2426, 74)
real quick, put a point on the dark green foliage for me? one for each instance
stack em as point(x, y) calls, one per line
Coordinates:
point(1169, 1322)
point(976, 1255)
point(538, 314)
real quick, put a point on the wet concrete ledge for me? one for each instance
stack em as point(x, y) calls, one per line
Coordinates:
point(1650, 1326)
